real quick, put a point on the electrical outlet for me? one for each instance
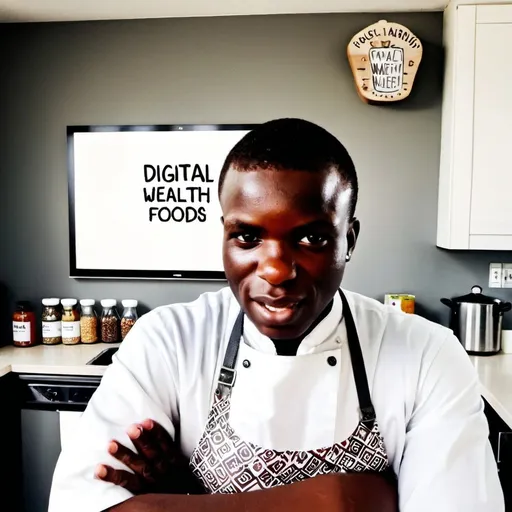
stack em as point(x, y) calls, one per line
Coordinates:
point(507, 275)
point(496, 275)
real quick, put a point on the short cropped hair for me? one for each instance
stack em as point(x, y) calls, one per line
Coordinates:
point(292, 144)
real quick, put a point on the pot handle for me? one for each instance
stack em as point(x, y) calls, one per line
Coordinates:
point(504, 307)
point(449, 303)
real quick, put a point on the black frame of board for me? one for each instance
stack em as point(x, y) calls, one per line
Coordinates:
point(75, 272)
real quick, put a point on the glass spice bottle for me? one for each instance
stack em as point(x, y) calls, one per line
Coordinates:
point(88, 321)
point(24, 325)
point(129, 316)
point(70, 322)
point(51, 322)
point(109, 321)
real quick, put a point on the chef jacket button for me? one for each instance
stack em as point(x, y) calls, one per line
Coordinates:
point(331, 360)
point(338, 340)
point(246, 363)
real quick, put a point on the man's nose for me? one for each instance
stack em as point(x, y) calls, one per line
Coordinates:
point(276, 264)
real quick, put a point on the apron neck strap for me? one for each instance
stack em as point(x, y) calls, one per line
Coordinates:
point(358, 368)
point(227, 375)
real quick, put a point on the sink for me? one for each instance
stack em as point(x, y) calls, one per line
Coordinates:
point(104, 358)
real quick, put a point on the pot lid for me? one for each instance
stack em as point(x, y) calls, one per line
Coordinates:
point(477, 297)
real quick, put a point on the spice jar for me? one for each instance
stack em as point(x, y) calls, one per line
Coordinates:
point(51, 322)
point(70, 322)
point(129, 316)
point(88, 321)
point(24, 325)
point(109, 321)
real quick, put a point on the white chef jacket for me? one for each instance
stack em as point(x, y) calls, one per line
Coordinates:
point(423, 386)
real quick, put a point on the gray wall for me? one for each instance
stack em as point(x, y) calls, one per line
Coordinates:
point(221, 70)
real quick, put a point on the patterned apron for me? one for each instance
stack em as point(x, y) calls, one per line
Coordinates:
point(225, 463)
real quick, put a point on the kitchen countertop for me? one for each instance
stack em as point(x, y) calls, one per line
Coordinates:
point(53, 359)
point(495, 373)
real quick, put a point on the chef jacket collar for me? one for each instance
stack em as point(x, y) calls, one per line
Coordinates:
point(323, 332)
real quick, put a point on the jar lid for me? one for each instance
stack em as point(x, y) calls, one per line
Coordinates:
point(476, 297)
point(108, 303)
point(24, 305)
point(87, 302)
point(130, 303)
point(50, 302)
point(68, 303)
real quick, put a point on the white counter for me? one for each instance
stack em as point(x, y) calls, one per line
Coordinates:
point(495, 374)
point(56, 359)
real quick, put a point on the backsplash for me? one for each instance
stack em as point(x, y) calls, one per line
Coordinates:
point(222, 70)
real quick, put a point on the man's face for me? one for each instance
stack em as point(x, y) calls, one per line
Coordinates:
point(286, 237)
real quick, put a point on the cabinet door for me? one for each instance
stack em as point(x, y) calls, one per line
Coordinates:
point(500, 437)
point(10, 434)
point(491, 196)
point(40, 450)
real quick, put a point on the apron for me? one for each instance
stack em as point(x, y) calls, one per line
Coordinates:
point(225, 463)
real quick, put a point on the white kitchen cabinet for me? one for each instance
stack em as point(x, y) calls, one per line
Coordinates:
point(475, 182)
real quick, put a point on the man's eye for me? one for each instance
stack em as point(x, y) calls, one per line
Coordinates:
point(247, 238)
point(314, 240)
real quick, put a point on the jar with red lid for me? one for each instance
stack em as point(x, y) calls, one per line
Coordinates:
point(24, 325)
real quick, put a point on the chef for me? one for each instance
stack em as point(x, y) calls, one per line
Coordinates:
point(283, 383)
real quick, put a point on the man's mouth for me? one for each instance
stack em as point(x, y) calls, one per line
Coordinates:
point(278, 310)
point(275, 309)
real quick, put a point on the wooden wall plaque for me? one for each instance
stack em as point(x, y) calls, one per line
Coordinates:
point(384, 59)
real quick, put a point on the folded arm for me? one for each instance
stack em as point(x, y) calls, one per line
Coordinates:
point(448, 464)
point(331, 493)
point(139, 384)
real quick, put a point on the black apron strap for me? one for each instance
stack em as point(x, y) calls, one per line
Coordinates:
point(356, 355)
point(227, 375)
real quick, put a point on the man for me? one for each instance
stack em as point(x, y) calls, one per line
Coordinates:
point(283, 378)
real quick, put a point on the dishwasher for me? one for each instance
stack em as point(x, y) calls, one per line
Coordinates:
point(50, 405)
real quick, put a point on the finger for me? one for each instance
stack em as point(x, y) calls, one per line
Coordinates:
point(163, 439)
point(128, 481)
point(169, 455)
point(132, 461)
point(142, 439)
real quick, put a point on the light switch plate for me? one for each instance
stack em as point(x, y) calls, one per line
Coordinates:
point(507, 275)
point(496, 275)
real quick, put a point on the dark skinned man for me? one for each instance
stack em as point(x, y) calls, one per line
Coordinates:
point(284, 391)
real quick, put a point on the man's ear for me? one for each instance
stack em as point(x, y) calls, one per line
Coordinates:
point(352, 235)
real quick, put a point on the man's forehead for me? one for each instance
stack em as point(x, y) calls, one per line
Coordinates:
point(288, 180)
point(269, 188)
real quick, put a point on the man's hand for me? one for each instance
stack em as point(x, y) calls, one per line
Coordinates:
point(158, 466)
